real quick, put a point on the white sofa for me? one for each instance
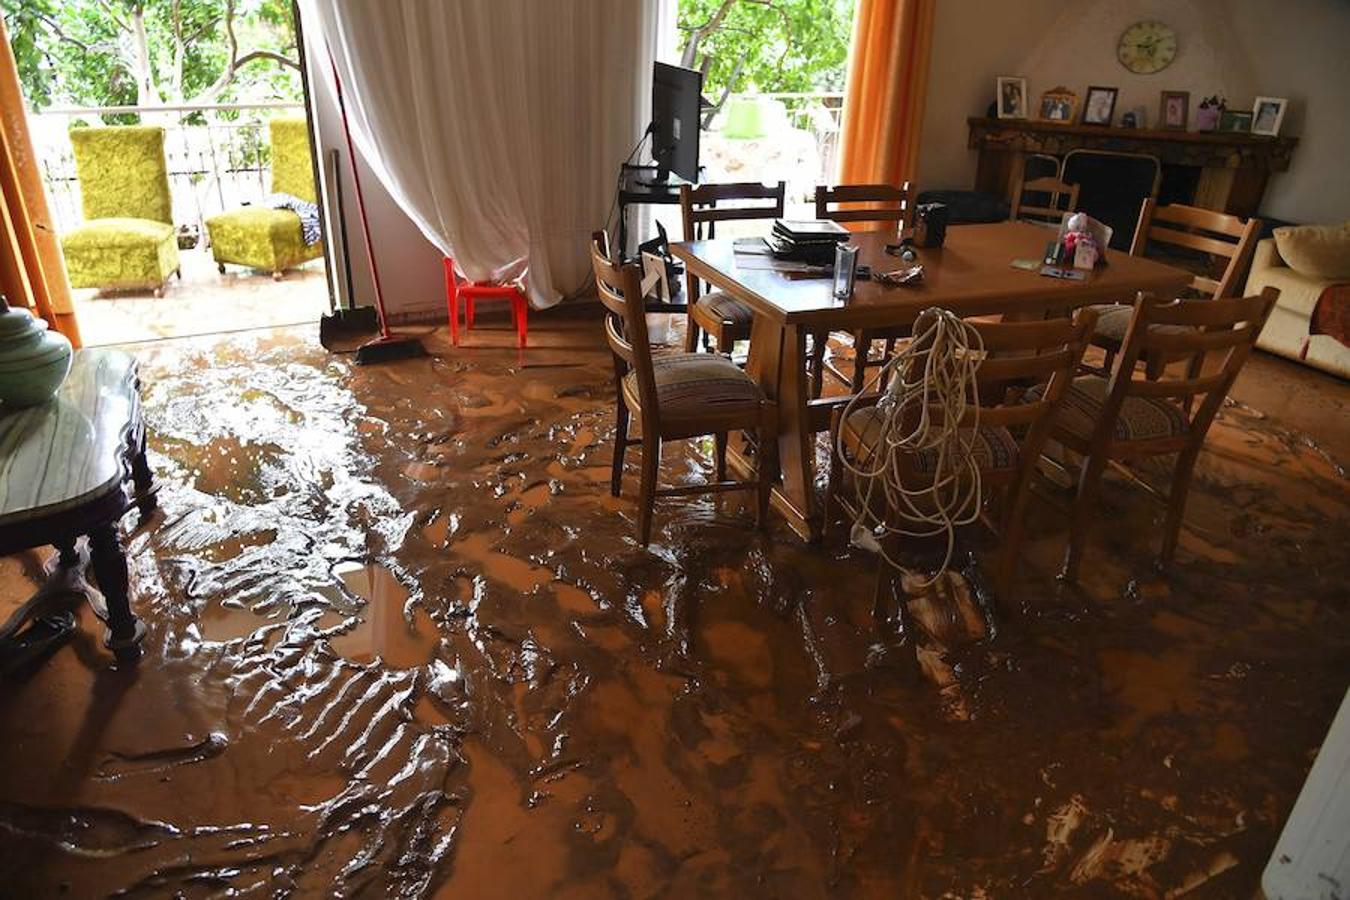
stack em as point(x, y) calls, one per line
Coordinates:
point(1287, 328)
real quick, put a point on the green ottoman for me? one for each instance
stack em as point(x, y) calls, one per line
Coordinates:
point(260, 238)
point(264, 238)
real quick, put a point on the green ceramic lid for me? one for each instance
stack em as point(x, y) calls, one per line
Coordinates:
point(16, 322)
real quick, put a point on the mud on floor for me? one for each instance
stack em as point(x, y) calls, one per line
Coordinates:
point(403, 644)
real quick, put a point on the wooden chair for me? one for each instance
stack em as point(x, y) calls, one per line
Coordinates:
point(719, 315)
point(675, 396)
point(1189, 228)
point(1130, 417)
point(878, 204)
point(1051, 214)
point(1012, 429)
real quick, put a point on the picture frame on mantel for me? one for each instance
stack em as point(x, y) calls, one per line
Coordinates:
point(1235, 122)
point(1268, 115)
point(1011, 94)
point(1174, 110)
point(1100, 106)
point(1059, 105)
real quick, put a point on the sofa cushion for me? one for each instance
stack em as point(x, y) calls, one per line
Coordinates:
point(260, 237)
point(1318, 251)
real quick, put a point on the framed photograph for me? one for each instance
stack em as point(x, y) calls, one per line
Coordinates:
point(1059, 105)
point(1235, 122)
point(1268, 115)
point(1012, 97)
point(1100, 106)
point(1174, 110)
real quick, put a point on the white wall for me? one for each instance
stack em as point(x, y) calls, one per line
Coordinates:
point(1298, 49)
point(410, 267)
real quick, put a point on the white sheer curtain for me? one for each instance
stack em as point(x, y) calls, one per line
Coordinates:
point(498, 125)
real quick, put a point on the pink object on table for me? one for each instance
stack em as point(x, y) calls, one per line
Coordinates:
point(471, 291)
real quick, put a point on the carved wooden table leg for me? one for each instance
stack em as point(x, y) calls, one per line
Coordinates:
point(125, 631)
point(141, 476)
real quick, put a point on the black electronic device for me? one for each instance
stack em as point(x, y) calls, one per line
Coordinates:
point(677, 110)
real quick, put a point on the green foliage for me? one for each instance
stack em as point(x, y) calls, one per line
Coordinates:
point(87, 52)
point(787, 45)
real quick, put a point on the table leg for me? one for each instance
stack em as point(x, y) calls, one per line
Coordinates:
point(68, 556)
point(796, 438)
point(777, 363)
point(142, 477)
point(125, 631)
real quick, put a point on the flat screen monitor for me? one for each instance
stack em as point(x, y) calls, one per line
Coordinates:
point(676, 109)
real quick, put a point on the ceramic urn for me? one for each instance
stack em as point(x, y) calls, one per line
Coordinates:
point(33, 360)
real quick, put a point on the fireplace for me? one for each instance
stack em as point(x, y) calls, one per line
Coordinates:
point(1227, 172)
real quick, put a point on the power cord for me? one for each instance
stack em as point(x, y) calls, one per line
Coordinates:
point(943, 360)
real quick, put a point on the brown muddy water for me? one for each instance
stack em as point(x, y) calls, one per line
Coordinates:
point(401, 643)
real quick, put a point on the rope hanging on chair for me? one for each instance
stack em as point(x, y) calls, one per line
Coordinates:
point(931, 384)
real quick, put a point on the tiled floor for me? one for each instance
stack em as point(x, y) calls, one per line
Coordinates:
point(402, 643)
point(203, 301)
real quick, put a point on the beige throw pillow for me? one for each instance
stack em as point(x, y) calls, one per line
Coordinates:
point(1318, 251)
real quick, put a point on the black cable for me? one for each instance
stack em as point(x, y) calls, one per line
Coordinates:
point(618, 182)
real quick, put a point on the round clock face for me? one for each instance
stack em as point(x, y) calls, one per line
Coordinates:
point(1147, 47)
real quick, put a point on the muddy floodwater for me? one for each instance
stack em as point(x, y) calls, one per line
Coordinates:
point(402, 644)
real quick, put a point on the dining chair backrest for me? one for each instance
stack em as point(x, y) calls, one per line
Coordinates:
point(699, 205)
point(620, 288)
point(1026, 354)
point(1051, 200)
point(867, 203)
point(1226, 327)
point(123, 173)
point(1205, 230)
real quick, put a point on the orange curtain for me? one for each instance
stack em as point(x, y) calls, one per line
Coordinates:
point(884, 95)
point(32, 270)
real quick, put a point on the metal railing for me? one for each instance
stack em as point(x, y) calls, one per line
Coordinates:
point(218, 154)
point(800, 144)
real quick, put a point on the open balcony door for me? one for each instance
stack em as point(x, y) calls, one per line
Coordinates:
point(32, 270)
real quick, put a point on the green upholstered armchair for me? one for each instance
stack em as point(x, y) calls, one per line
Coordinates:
point(271, 239)
point(127, 240)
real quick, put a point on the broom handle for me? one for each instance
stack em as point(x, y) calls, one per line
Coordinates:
point(360, 199)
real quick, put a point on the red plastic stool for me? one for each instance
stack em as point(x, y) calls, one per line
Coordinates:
point(479, 290)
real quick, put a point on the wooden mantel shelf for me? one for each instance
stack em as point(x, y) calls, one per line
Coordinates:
point(1187, 148)
point(1234, 166)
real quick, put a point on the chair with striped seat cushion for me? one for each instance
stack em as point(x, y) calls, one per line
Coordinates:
point(1193, 230)
point(676, 396)
point(717, 316)
point(1135, 415)
point(1140, 418)
point(688, 384)
point(992, 448)
point(722, 308)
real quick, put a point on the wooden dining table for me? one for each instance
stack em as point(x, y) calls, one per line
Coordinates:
point(971, 275)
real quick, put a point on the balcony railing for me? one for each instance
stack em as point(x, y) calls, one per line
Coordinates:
point(792, 137)
point(218, 155)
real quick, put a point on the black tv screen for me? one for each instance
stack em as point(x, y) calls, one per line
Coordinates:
point(676, 107)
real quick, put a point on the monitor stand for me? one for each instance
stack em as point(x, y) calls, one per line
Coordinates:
point(663, 178)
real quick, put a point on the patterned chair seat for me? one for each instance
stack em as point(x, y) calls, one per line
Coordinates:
point(1140, 419)
point(689, 384)
point(721, 307)
point(993, 448)
point(1114, 321)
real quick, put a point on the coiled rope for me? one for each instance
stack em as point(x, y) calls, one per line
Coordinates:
point(918, 415)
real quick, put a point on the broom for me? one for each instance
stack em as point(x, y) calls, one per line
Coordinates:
point(387, 346)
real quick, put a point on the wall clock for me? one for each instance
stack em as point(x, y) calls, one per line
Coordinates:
point(1147, 47)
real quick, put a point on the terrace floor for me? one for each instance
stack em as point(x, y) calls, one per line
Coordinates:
point(203, 301)
point(401, 643)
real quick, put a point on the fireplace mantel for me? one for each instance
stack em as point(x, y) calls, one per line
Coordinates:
point(1233, 167)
